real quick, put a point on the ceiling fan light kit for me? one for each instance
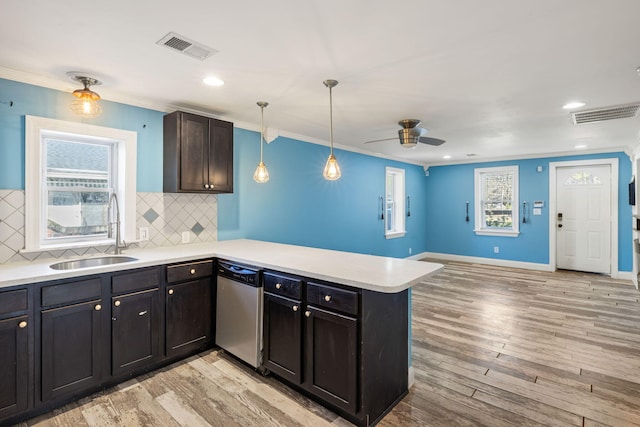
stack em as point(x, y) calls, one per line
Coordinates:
point(411, 134)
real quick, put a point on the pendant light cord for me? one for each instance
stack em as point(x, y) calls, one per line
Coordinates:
point(261, 130)
point(331, 118)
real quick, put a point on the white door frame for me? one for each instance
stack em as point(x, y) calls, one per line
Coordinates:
point(553, 170)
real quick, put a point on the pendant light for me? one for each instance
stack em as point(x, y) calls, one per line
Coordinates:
point(261, 175)
point(85, 103)
point(331, 169)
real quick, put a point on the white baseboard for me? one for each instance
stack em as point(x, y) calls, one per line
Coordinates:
point(412, 377)
point(622, 275)
point(487, 261)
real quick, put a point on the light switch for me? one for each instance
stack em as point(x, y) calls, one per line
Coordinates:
point(537, 211)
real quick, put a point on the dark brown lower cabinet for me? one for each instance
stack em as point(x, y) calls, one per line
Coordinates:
point(71, 350)
point(283, 337)
point(331, 368)
point(188, 315)
point(135, 331)
point(14, 365)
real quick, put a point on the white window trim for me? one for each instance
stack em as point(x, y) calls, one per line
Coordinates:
point(126, 179)
point(399, 193)
point(483, 231)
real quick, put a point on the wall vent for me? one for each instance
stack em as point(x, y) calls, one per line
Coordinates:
point(607, 113)
point(187, 46)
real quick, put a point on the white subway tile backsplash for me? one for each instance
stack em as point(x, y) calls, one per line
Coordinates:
point(166, 214)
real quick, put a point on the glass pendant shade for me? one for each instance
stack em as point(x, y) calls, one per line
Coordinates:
point(261, 175)
point(331, 169)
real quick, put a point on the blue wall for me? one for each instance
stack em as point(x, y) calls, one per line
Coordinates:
point(452, 186)
point(296, 206)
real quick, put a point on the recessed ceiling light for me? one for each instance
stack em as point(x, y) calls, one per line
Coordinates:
point(580, 147)
point(213, 81)
point(446, 157)
point(573, 104)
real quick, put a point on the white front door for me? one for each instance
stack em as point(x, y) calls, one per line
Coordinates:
point(583, 218)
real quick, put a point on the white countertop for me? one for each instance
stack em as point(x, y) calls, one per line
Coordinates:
point(370, 272)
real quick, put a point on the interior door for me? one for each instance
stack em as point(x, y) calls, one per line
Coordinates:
point(583, 218)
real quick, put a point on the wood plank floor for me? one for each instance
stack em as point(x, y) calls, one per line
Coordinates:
point(491, 346)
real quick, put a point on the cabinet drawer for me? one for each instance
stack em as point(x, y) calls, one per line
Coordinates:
point(332, 298)
point(12, 301)
point(190, 270)
point(66, 293)
point(282, 285)
point(137, 280)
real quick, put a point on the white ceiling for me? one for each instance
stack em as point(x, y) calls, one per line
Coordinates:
point(488, 76)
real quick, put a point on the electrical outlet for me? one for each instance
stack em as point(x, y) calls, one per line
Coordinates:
point(496, 249)
point(186, 237)
point(144, 233)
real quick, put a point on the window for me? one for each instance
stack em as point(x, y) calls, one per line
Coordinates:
point(496, 201)
point(394, 225)
point(71, 171)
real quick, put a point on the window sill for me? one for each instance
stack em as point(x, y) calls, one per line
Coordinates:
point(502, 233)
point(395, 235)
point(65, 246)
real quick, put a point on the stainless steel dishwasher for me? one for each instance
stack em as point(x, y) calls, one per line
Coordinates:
point(239, 312)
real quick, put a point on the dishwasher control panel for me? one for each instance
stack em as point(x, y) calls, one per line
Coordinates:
point(239, 273)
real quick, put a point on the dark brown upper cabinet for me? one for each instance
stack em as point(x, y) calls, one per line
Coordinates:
point(198, 154)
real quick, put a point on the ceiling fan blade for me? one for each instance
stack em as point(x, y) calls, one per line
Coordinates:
point(380, 140)
point(431, 141)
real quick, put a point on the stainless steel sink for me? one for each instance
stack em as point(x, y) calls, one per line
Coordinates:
point(91, 262)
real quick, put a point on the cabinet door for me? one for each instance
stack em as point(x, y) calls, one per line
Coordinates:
point(188, 316)
point(331, 357)
point(221, 156)
point(135, 331)
point(283, 337)
point(71, 349)
point(194, 152)
point(14, 367)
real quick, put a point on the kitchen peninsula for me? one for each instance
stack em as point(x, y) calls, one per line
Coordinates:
point(375, 321)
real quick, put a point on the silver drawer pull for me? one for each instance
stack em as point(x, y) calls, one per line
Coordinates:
point(192, 271)
point(170, 291)
point(278, 285)
point(327, 298)
point(142, 313)
point(307, 313)
point(117, 303)
point(98, 307)
point(295, 308)
point(22, 325)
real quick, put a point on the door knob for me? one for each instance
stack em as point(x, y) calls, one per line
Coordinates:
point(98, 307)
point(192, 271)
point(307, 313)
point(22, 325)
point(117, 303)
point(278, 285)
point(294, 308)
point(559, 225)
point(170, 291)
point(327, 298)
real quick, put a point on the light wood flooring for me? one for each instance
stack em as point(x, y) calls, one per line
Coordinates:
point(491, 346)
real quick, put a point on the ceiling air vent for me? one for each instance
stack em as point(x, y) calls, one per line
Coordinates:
point(608, 113)
point(187, 46)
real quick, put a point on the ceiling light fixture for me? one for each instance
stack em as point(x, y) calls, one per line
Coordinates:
point(580, 147)
point(446, 156)
point(331, 169)
point(213, 81)
point(85, 103)
point(573, 104)
point(261, 175)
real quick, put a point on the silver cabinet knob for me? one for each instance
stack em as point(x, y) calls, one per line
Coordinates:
point(327, 298)
point(295, 308)
point(278, 285)
point(307, 313)
point(206, 186)
point(192, 271)
point(98, 307)
point(170, 291)
point(22, 325)
point(117, 303)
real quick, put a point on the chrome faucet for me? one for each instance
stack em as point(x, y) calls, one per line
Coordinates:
point(118, 245)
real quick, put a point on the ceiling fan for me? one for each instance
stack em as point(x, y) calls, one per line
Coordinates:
point(411, 134)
